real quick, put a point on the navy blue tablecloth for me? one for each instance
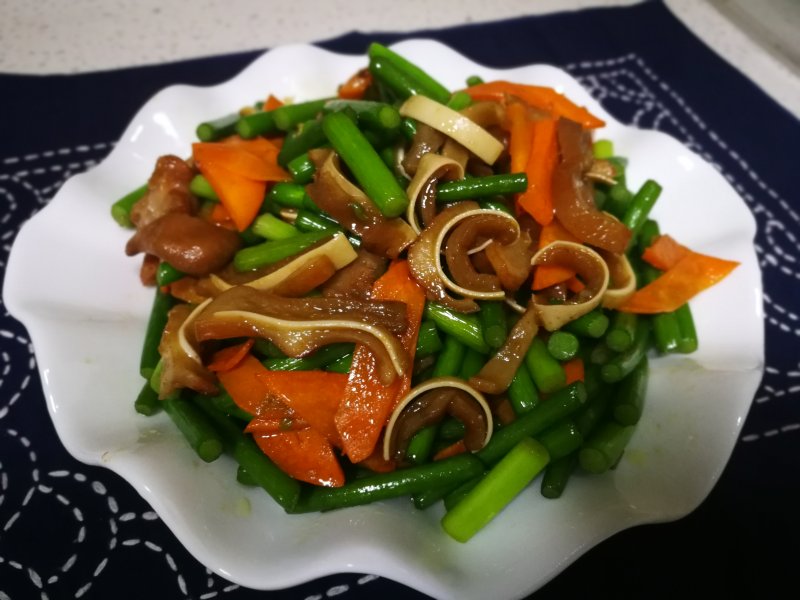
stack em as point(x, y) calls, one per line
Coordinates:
point(72, 531)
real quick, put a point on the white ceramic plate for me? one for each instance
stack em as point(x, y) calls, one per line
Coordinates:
point(86, 311)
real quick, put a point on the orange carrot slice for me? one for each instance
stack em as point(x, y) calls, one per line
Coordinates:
point(219, 215)
point(541, 97)
point(243, 384)
point(227, 358)
point(537, 200)
point(314, 395)
point(664, 252)
point(264, 149)
point(680, 283)
point(253, 159)
point(242, 197)
point(453, 449)
point(545, 276)
point(277, 398)
point(354, 88)
point(367, 403)
point(574, 370)
point(238, 171)
point(275, 421)
point(272, 103)
point(520, 136)
point(305, 455)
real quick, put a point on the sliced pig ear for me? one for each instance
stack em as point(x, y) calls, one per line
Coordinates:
point(299, 326)
point(466, 132)
point(347, 204)
point(337, 249)
point(432, 168)
point(468, 228)
point(424, 259)
point(479, 426)
point(588, 265)
point(181, 364)
point(622, 279)
point(451, 233)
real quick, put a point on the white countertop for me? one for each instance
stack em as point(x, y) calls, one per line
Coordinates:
point(54, 36)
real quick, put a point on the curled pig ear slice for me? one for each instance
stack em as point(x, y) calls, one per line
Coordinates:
point(622, 280)
point(422, 188)
point(181, 364)
point(298, 326)
point(186, 337)
point(463, 130)
point(425, 264)
point(299, 338)
point(573, 197)
point(496, 374)
point(338, 249)
point(337, 196)
point(492, 224)
point(429, 403)
point(588, 265)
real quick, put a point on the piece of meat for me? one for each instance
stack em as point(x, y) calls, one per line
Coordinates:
point(167, 192)
point(356, 279)
point(190, 244)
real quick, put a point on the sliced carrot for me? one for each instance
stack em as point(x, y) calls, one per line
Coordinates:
point(537, 200)
point(520, 130)
point(243, 384)
point(664, 252)
point(367, 403)
point(453, 449)
point(266, 150)
point(314, 395)
point(307, 277)
point(574, 370)
point(242, 197)
point(253, 159)
point(562, 106)
point(237, 161)
point(305, 455)
point(238, 171)
point(354, 88)
point(554, 231)
point(276, 397)
point(275, 422)
point(227, 358)
point(375, 462)
point(575, 285)
point(219, 215)
point(680, 283)
point(545, 276)
point(545, 98)
point(272, 103)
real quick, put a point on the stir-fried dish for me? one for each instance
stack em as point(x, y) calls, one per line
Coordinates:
point(401, 290)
